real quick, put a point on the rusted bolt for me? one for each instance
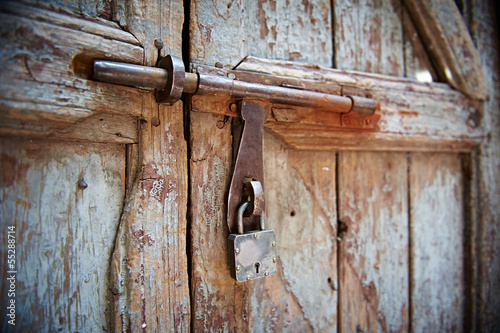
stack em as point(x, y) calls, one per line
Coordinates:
point(158, 44)
point(233, 107)
point(155, 121)
point(367, 121)
point(219, 64)
point(82, 184)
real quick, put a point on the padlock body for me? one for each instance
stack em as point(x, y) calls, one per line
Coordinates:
point(252, 255)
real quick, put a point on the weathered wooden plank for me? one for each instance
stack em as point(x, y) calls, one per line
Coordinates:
point(437, 243)
point(45, 67)
point(301, 208)
point(373, 257)
point(227, 31)
point(418, 66)
point(368, 36)
point(102, 128)
point(485, 31)
point(149, 264)
point(94, 8)
point(156, 24)
point(218, 302)
point(64, 232)
point(449, 43)
point(411, 113)
point(70, 20)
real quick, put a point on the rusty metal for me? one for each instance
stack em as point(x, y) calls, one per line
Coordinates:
point(147, 77)
point(255, 193)
point(249, 162)
point(171, 81)
point(363, 105)
point(130, 75)
point(172, 91)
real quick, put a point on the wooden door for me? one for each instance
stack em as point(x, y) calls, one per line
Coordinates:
point(94, 176)
point(119, 203)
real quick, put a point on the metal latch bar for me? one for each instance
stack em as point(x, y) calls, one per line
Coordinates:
point(171, 81)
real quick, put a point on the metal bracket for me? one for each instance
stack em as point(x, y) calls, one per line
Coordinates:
point(249, 165)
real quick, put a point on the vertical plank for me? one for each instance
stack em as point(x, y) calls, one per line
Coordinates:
point(301, 208)
point(486, 32)
point(149, 264)
point(437, 240)
point(290, 30)
point(156, 24)
point(228, 31)
point(64, 233)
point(149, 267)
point(374, 255)
point(368, 36)
point(219, 303)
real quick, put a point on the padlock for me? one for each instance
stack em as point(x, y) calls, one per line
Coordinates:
point(252, 254)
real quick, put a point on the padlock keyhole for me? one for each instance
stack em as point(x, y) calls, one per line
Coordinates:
point(257, 266)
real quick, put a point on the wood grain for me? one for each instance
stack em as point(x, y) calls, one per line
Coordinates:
point(449, 43)
point(46, 66)
point(149, 263)
point(301, 208)
point(368, 36)
point(437, 243)
point(65, 233)
point(413, 115)
point(485, 34)
point(218, 302)
point(156, 24)
point(93, 9)
point(373, 259)
point(228, 31)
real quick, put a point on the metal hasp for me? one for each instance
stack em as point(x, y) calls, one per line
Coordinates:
point(249, 166)
point(171, 81)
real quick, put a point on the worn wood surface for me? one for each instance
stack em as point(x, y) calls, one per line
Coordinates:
point(437, 243)
point(369, 36)
point(449, 44)
point(45, 67)
point(156, 24)
point(373, 254)
point(301, 208)
point(413, 115)
point(89, 9)
point(228, 31)
point(64, 233)
point(219, 303)
point(149, 262)
point(418, 66)
point(486, 36)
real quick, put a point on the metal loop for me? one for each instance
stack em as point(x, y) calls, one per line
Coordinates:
point(262, 220)
point(239, 217)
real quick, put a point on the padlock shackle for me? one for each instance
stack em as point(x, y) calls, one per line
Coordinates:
point(239, 217)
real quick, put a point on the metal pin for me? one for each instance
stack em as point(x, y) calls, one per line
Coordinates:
point(236, 250)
